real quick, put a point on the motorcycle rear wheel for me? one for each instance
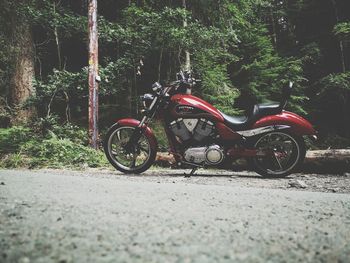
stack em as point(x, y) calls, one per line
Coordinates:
point(138, 160)
point(288, 153)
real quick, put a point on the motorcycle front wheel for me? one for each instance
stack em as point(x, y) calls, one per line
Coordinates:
point(136, 160)
point(287, 153)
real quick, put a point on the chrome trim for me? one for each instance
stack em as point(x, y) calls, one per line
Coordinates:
point(283, 171)
point(253, 132)
point(142, 121)
point(314, 138)
point(153, 103)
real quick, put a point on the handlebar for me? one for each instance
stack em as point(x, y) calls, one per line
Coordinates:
point(184, 78)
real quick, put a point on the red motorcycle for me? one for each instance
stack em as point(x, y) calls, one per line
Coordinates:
point(201, 136)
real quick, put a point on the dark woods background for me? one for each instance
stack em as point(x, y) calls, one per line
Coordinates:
point(243, 50)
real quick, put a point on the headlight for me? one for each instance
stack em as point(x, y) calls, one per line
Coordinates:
point(156, 86)
point(146, 100)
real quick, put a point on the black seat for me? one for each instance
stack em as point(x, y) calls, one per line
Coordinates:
point(235, 122)
point(266, 109)
point(239, 123)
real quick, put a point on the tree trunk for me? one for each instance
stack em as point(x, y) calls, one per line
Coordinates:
point(23, 75)
point(273, 26)
point(135, 93)
point(60, 65)
point(187, 53)
point(93, 74)
point(57, 41)
point(341, 45)
point(160, 63)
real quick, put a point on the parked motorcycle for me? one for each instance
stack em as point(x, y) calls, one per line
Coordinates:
point(201, 136)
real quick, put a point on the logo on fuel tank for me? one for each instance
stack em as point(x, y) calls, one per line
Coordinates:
point(183, 109)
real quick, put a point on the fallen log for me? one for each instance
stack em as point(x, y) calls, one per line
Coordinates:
point(333, 161)
point(331, 154)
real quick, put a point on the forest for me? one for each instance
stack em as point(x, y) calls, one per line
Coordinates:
point(244, 51)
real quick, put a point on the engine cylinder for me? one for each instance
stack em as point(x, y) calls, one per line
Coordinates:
point(179, 128)
point(203, 129)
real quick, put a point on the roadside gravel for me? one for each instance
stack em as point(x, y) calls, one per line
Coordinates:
point(314, 182)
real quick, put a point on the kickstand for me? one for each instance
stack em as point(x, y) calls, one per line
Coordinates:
point(192, 172)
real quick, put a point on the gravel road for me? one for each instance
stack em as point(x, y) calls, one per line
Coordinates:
point(103, 216)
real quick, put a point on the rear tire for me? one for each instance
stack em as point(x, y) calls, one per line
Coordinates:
point(288, 154)
point(115, 156)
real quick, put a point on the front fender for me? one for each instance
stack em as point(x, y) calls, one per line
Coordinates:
point(298, 125)
point(148, 131)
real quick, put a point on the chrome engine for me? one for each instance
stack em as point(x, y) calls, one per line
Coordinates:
point(211, 155)
point(196, 129)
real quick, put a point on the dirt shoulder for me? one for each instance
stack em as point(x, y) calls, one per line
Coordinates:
point(330, 183)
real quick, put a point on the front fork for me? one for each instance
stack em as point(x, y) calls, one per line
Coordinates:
point(131, 145)
point(149, 114)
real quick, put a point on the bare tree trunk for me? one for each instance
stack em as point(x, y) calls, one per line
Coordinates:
point(129, 96)
point(135, 93)
point(129, 84)
point(58, 46)
point(160, 63)
point(60, 65)
point(187, 53)
point(93, 75)
point(273, 26)
point(22, 79)
point(341, 44)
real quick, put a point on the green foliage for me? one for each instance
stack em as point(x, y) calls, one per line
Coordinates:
point(336, 142)
point(13, 160)
point(242, 49)
point(50, 127)
point(6, 49)
point(260, 71)
point(311, 53)
point(12, 139)
point(55, 152)
point(342, 31)
point(52, 16)
point(335, 83)
point(159, 133)
point(56, 87)
point(61, 147)
point(47, 144)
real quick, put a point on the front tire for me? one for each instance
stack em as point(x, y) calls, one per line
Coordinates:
point(287, 154)
point(139, 160)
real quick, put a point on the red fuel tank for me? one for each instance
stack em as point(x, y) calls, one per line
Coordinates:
point(188, 106)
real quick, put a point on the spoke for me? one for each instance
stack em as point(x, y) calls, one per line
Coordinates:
point(133, 162)
point(278, 161)
point(137, 156)
point(118, 135)
point(282, 146)
point(144, 149)
point(269, 138)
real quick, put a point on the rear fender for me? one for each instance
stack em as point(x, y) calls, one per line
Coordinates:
point(298, 125)
point(147, 131)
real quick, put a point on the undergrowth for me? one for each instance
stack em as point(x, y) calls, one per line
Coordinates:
point(51, 146)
